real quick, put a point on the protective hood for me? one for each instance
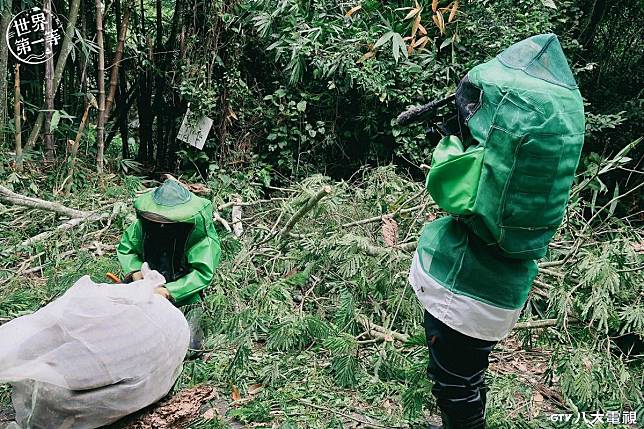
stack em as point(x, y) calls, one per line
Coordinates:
point(541, 57)
point(172, 202)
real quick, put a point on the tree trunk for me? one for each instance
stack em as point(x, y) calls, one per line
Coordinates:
point(17, 116)
point(597, 14)
point(100, 124)
point(146, 147)
point(65, 49)
point(49, 92)
point(4, 59)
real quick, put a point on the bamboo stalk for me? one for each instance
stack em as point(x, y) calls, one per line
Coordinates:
point(49, 85)
point(17, 118)
point(4, 59)
point(100, 123)
point(65, 49)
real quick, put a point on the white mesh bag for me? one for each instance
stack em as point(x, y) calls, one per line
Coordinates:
point(94, 355)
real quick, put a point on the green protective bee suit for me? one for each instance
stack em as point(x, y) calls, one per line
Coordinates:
point(175, 234)
point(506, 192)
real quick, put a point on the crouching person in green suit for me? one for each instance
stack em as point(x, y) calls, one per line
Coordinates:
point(174, 233)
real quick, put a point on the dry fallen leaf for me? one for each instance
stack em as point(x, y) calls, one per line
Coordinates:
point(588, 364)
point(236, 396)
point(366, 56)
point(254, 389)
point(210, 414)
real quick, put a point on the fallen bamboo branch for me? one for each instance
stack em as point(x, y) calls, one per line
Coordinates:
point(37, 203)
point(312, 202)
point(381, 333)
point(229, 204)
point(379, 218)
point(362, 421)
point(63, 227)
point(217, 217)
point(238, 228)
point(533, 324)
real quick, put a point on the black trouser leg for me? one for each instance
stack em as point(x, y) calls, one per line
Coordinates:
point(457, 365)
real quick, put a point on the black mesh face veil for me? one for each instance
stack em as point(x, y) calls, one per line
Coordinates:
point(164, 245)
point(468, 101)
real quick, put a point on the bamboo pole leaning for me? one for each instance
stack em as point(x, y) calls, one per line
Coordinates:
point(118, 57)
point(73, 150)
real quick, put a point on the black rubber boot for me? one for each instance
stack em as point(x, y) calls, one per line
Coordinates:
point(474, 422)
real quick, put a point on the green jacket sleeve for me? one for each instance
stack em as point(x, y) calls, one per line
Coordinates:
point(130, 249)
point(203, 257)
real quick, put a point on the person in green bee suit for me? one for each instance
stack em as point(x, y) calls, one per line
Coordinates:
point(503, 175)
point(174, 233)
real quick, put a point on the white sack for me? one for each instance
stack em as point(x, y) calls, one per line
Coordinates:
point(94, 355)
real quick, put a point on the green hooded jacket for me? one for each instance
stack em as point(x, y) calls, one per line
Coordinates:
point(176, 204)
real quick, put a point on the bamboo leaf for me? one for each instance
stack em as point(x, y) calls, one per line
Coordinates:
point(445, 43)
point(452, 14)
point(398, 46)
point(411, 14)
point(434, 5)
point(613, 205)
point(422, 29)
point(353, 10)
point(55, 118)
point(549, 3)
point(414, 27)
point(420, 41)
point(384, 39)
point(441, 21)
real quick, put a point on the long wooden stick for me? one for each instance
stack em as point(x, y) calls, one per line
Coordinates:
point(17, 118)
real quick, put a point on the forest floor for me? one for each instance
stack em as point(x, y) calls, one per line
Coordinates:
point(310, 322)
